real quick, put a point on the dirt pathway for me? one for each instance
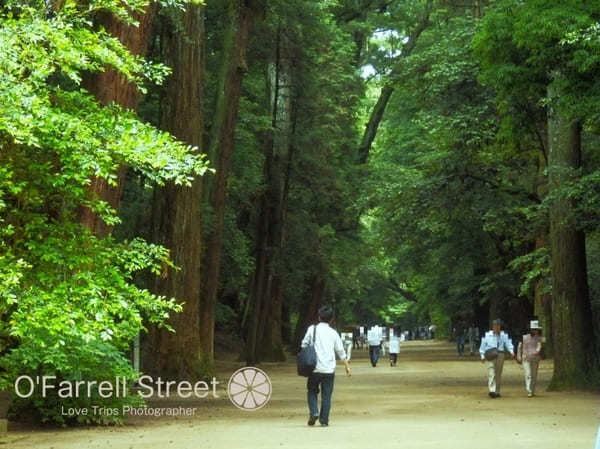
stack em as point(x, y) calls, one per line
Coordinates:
point(430, 400)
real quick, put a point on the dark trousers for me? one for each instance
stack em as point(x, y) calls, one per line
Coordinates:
point(393, 358)
point(374, 354)
point(325, 381)
point(460, 345)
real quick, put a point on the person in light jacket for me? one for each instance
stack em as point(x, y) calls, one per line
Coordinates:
point(494, 344)
point(394, 349)
point(327, 344)
point(528, 353)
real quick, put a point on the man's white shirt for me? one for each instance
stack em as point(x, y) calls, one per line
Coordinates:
point(374, 336)
point(328, 343)
point(500, 341)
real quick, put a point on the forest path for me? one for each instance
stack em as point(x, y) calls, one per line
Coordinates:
point(432, 399)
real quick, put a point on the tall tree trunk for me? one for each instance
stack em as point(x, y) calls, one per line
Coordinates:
point(572, 329)
point(176, 209)
point(264, 338)
point(241, 15)
point(280, 172)
point(258, 285)
point(111, 87)
point(286, 330)
point(542, 300)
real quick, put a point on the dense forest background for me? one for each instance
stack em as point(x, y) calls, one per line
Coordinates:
point(210, 173)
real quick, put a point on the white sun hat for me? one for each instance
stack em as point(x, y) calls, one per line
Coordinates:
point(535, 324)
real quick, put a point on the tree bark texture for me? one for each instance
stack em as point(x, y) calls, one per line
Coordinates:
point(264, 337)
point(572, 331)
point(241, 16)
point(177, 217)
point(111, 87)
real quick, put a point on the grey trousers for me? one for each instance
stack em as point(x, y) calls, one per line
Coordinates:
point(495, 373)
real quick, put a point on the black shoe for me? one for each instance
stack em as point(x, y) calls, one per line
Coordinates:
point(492, 395)
point(312, 420)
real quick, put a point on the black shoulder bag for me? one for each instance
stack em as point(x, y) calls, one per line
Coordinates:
point(307, 357)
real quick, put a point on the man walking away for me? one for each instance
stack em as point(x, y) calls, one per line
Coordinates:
point(374, 339)
point(327, 344)
point(493, 345)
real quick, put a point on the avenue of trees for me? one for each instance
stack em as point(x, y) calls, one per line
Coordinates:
point(208, 173)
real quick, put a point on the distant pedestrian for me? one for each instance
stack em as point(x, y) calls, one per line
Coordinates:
point(348, 342)
point(459, 335)
point(493, 346)
point(394, 349)
point(355, 338)
point(528, 353)
point(472, 337)
point(327, 343)
point(432, 330)
point(374, 340)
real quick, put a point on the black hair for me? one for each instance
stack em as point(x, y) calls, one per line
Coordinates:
point(325, 314)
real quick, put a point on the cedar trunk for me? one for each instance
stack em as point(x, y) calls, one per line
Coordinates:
point(542, 300)
point(177, 210)
point(572, 332)
point(111, 87)
point(264, 337)
point(241, 16)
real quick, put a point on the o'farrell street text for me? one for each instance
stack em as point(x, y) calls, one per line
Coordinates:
point(147, 387)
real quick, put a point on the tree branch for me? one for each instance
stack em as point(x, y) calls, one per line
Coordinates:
point(395, 286)
point(387, 91)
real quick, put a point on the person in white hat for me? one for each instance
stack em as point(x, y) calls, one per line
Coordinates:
point(528, 353)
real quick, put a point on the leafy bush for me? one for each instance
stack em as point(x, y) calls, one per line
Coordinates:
point(68, 304)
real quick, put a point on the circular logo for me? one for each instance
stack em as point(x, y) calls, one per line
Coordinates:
point(249, 388)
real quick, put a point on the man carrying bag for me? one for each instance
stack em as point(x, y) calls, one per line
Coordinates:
point(494, 345)
point(320, 346)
